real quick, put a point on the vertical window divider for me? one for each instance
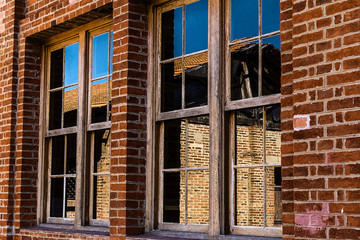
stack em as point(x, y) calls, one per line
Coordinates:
point(216, 118)
point(264, 162)
point(65, 175)
point(48, 179)
point(81, 167)
point(186, 168)
point(161, 173)
point(91, 200)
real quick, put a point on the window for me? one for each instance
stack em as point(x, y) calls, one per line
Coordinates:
point(182, 137)
point(76, 136)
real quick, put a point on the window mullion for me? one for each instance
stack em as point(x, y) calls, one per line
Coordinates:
point(216, 110)
point(80, 204)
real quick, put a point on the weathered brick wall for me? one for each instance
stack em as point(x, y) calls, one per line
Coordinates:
point(320, 84)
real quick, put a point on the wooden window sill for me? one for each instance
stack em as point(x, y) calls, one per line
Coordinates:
point(70, 229)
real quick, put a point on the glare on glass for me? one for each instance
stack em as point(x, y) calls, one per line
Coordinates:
point(196, 26)
point(100, 57)
point(71, 64)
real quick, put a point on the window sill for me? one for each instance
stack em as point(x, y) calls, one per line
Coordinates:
point(172, 235)
point(70, 229)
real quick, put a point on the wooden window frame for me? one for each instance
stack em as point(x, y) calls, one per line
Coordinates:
point(83, 129)
point(221, 116)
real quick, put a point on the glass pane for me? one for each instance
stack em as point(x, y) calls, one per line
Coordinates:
point(249, 197)
point(171, 86)
point(71, 154)
point(171, 34)
point(102, 151)
point(70, 198)
point(171, 211)
point(271, 65)
point(55, 110)
point(110, 97)
point(100, 63)
point(57, 197)
point(273, 134)
point(56, 69)
point(196, 26)
point(71, 64)
point(196, 80)
point(70, 106)
point(244, 70)
point(99, 100)
point(270, 21)
point(101, 197)
point(198, 197)
point(244, 19)
point(111, 52)
point(174, 140)
point(249, 137)
point(198, 142)
point(273, 197)
point(57, 155)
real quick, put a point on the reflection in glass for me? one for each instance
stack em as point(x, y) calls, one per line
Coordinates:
point(70, 106)
point(71, 64)
point(172, 197)
point(273, 197)
point(244, 19)
point(196, 26)
point(173, 131)
point(171, 44)
point(100, 62)
point(71, 154)
point(244, 70)
point(111, 52)
point(56, 200)
point(99, 100)
point(196, 80)
point(56, 68)
point(171, 86)
point(249, 199)
point(101, 197)
point(270, 21)
point(273, 135)
point(249, 136)
point(55, 110)
point(102, 151)
point(57, 155)
point(198, 197)
point(198, 142)
point(70, 197)
point(271, 65)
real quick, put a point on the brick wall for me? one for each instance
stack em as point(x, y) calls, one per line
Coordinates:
point(320, 84)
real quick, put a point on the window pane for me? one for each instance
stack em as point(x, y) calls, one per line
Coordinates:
point(102, 151)
point(71, 64)
point(71, 154)
point(270, 21)
point(249, 197)
point(196, 26)
point(111, 52)
point(55, 110)
point(99, 100)
point(171, 34)
point(101, 197)
point(198, 142)
point(57, 155)
point(70, 106)
point(57, 196)
point(174, 139)
point(172, 197)
point(196, 80)
point(171, 86)
point(273, 197)
point(110, 97)
point(273, 134)
point(198, 197)
point(100, 56)
point(244, 70)
point(244, 19)
point(70, 198)
point(56, 69)
point(271, 65)
point(249, 137)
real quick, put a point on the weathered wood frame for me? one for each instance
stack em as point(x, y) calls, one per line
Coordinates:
point(222, 123)
point(81, 35)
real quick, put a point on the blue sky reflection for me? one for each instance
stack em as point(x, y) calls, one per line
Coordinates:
point(71, 64)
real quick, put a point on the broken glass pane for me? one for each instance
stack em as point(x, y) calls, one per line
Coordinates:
point(101, 197)
point(102, 151)
point(70, 197)
point(273, 197)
